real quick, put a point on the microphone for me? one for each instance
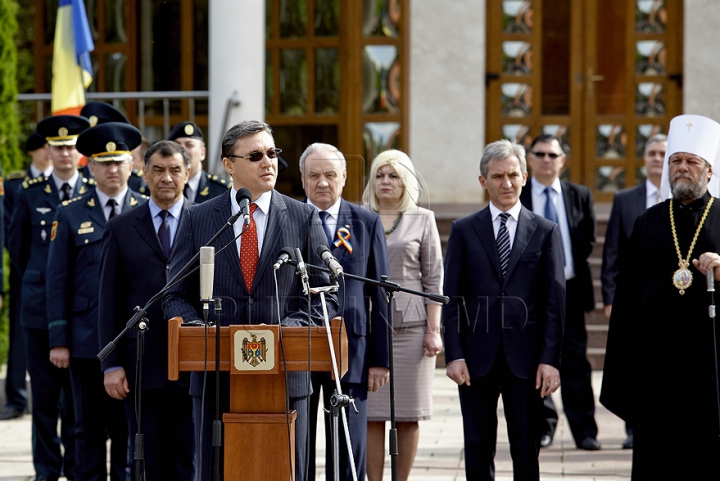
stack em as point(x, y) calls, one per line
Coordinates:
point(324, 253)
point(243, 198)
point(286, 254)
point(207, 273)
point(302, 271)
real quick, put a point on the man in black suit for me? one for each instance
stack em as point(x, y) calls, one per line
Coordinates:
point(72, 301)
point(356, 238)
point(627, 206)
point(15, 382)
point(504, 327)
point(571, 207)
point(133, 267)
point(244, 274)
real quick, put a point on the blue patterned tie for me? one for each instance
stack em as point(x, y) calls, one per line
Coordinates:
point(323, 218)
point(503, 243)
point(550, 212)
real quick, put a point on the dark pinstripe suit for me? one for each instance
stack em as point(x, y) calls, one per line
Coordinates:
point(289, 223)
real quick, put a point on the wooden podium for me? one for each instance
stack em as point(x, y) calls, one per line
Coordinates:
point(257, 422)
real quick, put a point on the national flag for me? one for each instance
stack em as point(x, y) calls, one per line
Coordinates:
point(72, 70)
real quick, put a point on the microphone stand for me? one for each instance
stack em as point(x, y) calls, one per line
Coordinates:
point(338, 400)
point(140, 321)
point(217, 424)
point(389, 288)
point(710, 277)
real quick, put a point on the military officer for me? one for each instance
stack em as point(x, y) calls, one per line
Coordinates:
point(99, 113)
point(73, 271)
point(15, 383)
point(29, 240)
point(201, 186)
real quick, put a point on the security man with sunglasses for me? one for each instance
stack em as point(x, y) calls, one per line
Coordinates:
point(571, 206)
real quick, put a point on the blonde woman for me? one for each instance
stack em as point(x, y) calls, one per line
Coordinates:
point(413, 245)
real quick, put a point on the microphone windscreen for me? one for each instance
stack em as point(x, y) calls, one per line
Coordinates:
point(243, 194)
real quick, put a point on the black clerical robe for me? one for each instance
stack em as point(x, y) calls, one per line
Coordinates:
point(661, 342)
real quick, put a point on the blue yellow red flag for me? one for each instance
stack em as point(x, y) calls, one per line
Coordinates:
point(72, 70)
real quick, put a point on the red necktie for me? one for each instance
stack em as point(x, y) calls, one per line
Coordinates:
point(249, 250)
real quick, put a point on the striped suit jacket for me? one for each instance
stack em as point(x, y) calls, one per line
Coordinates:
point(290, 223)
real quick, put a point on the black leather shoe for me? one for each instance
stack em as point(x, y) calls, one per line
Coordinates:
point(10, 412)
point(589, 444)
point(545, 440)
point(628, 444)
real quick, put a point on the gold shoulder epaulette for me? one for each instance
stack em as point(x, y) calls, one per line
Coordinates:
point(35, 181)
point(17, 174)
point(70, 201)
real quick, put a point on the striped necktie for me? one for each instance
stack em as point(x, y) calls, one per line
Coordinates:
point(503, 243)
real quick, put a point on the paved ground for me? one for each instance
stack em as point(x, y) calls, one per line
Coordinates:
point(440, 453)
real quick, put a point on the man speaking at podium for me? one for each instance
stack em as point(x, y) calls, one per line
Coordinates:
point(244, 273)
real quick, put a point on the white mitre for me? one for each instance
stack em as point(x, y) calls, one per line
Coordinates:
point(696, 135)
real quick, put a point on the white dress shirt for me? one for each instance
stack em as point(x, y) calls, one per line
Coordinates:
point(260, 216)
point(538, 202)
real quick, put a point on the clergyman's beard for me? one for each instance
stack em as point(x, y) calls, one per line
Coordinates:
point(687, 192)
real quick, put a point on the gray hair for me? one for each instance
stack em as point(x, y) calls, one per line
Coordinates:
point(501, 150)
point(319, 146)
point(653, 139)
point(246, 128)
point(167, 148)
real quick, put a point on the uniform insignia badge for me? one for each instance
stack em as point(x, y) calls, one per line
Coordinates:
point(93, 120)
point(254, 351)
point(133, 201)
point(205, 191)
point(53, 230)
point(2, 187)
point(43, 210)
point(83, 190)
point(87, 230)
point(91, 203)
point(86, 224)
point(48, 190)
point(62, 132)
point(189, 129)
point(43, 235)
point(110, 147)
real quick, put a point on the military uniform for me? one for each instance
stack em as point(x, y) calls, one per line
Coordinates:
point(15, 380)
point(73, 270)
point(72, 302)
point(29, 241)
point(15, 383)
point(137, 182)
point(210, 186)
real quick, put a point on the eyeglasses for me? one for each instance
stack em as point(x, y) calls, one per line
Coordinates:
point(258, 156)
point(552, 155)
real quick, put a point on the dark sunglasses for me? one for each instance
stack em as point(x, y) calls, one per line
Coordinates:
point(552, 155)
point(258, 156)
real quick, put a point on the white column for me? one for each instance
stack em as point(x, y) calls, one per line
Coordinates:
point(701, 69)
point(447, 97)
point(237, 68)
